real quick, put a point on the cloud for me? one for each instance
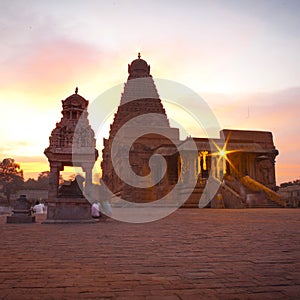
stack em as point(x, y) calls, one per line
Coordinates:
point(9, 147)
point(41, 50)
point(53, 63)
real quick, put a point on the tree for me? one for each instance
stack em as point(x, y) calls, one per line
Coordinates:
point(30, 184)
point(11, 177)
point(290, 183)
point(41, 183)
point(43, 180)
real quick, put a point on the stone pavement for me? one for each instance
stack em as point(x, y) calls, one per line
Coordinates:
point(192, 254)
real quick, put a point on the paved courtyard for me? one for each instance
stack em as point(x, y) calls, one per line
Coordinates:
point(192, 254)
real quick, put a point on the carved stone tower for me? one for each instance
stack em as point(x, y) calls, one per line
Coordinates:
point(72, 143)
point(140, 110)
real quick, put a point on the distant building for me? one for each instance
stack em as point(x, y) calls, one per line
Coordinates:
point(291, 194)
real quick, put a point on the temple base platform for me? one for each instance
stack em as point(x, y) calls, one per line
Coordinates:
point(18, 218)
point(68, 210)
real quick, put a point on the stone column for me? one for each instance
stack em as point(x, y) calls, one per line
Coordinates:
point(199, 164)
point(87, 168)
point(179, 165)
point(55, 168)
point(194, 163)
point(188, 162)
point(272, 174)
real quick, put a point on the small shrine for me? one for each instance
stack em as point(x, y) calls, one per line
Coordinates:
point(72, 143)
point(22, 212)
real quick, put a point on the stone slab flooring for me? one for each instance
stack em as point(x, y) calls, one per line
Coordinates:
point(192, 254)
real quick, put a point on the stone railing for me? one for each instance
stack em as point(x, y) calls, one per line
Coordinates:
point(258, 187)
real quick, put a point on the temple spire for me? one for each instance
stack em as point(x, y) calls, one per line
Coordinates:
point(76, 90)
point(138, 68)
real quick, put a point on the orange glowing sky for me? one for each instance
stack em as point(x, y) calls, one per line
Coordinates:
point(242, 57)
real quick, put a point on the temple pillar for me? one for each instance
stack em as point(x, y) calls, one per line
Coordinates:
point(214, 166)
point(188, 163)
point(272, 175)
point(55, 168)
point(179, 165)
point(87, 168)
point(205, 164)
point(194, 165)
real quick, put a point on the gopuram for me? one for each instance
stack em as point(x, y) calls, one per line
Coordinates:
point(244, 170)
point(72, 143)
point(140, 111)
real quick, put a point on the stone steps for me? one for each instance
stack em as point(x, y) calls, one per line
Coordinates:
point(193, 201)
point(268, 205)
point(259, 201)
point(194, 198)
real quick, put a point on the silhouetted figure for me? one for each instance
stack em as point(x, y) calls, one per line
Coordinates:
point(73, 190)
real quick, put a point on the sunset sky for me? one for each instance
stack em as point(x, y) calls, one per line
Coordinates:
point(242, 57)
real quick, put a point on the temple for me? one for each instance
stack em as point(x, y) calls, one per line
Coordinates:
point(144, 159)
point(242, 174)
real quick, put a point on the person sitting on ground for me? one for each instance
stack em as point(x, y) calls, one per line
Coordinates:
point(38, 208)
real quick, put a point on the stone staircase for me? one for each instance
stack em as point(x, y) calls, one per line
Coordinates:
point(194, 198)
point(260, 195)
point(256, 195)
point(236, 193)
point(259, 200)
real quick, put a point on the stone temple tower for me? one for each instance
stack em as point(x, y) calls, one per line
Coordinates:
point(140, 111)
